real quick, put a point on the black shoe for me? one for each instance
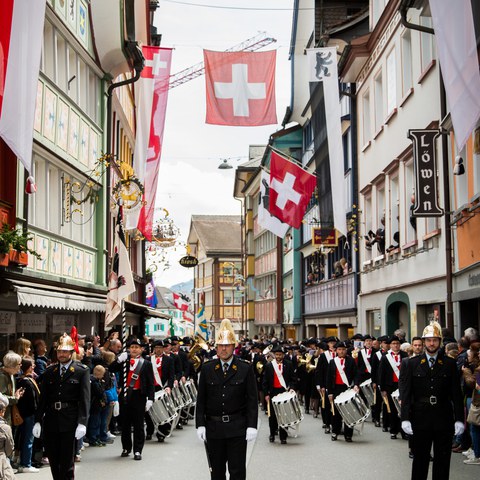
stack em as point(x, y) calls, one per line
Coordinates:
point(148, 437)
point(307, 411)
point(393, 436)
point(271, 438)
point(377, 423)
point(384, 429)
point(348, 439)
point(327, 430)
point(334, 437)
point(179, 427)
point(283, 442)
point(125, 453)
point(160, 438)
point(324, 426)
point(410, 455)
point(137, 456)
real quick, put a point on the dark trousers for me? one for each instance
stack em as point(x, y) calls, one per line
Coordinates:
point(337, 419)
point(272, 419)
point(377, 407)
point(60, 450)
point(133, 411)
point(442, 449)
point(228, 450)
point(394, 421)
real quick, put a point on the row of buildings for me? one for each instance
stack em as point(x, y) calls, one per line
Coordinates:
point(85, 106)
point(392, 269)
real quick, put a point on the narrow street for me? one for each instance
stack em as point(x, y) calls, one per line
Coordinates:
point(311, 455)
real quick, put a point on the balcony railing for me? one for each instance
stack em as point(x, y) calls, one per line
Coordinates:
point(331, 295)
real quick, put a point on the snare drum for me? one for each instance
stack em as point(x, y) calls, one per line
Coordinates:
point(396, 400)
point(190, 386)
point(187, 398)
point(177, 398)
point(367, 390)
point(352, 408)
point(287, 409)
point(162, 411)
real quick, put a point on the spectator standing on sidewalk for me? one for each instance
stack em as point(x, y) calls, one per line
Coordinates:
point(6, 443)
point(98, 403)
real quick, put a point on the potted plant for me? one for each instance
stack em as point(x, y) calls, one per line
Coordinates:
point(6, 237)
point(20, 248)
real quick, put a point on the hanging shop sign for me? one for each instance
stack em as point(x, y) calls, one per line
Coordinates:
point(7, 322)
point(32, 323)
point(425, 173)
point(62, 323)
point(324, 236)
point(188, 261)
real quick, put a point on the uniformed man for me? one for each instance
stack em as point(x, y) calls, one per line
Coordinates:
point(379, 407)
point(138, 399)
point(63, 408)
point(278, 378)
point(227, 411)
point(431, 406)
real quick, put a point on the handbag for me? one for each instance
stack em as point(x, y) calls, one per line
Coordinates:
point(16, 417)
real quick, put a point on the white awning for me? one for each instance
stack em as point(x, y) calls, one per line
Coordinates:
point(29, 294)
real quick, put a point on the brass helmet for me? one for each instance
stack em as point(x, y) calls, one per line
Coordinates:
point(225, 334)
point(66, 343)
point(434, 330)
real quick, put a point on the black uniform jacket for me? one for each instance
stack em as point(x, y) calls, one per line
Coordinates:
point(146, 376)
point(350, 372)
point(385, 372)
point(168, 370)
point(362, 372)
point(321, 371)
point(375, 360)
point(418, 383)
point(287, 373)
point(234, 394)
point(70, 394)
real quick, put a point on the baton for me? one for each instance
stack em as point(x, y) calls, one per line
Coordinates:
point(208, 456)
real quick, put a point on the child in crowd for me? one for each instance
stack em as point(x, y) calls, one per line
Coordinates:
point(98, 404)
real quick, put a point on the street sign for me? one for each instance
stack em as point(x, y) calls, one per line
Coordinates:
point(188, 261)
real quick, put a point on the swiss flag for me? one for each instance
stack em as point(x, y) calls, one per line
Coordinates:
point(21, 34)
point(240, 88)
point(180, 303)
point(291, 188)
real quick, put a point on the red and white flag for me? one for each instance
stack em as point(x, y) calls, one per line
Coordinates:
point(291, 188)
point(152, 99)
point(21, 34)
point(180, 302)
point(240, 88)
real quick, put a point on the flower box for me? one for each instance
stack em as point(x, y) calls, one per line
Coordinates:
point(17, 257)
point(4, 259)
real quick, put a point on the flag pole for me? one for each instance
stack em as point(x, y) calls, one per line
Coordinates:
point(124, 349)
point(291, 159)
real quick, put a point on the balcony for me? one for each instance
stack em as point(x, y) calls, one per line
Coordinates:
point(266, 312)
point(331, 296)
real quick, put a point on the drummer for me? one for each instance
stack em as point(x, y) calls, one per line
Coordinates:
point(163, 376)
point(278, 378)
point(341, 374)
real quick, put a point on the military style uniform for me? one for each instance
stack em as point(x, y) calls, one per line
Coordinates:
point(64, 404)
point(432, 401)
point(226, 407)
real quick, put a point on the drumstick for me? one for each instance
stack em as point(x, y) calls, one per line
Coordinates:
point(385, 399)
point(333, 407)
point(323, 399)
point(268, 409)
point(374, 396)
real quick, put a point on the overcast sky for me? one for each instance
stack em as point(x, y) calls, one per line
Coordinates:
point(190, 182)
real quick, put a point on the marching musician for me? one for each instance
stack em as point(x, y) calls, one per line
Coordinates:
point(341, 374)
point(226, 416)
point(388, 375)
point(278, 378)
point(384, 343)
point(364, 361)
point(432, 406)
point(321, 380)
point(138, 399)
point(163, 377)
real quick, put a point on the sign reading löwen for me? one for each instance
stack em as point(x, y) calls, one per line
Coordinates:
point(188, 261)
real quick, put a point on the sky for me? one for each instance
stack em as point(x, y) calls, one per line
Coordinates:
point(189, 180)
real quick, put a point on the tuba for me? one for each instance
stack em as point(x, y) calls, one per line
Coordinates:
point(199, 343)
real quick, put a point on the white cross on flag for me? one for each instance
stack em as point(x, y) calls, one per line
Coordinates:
point(21, 34)
point(240, 88)
point(291, 188)
point(180, 302)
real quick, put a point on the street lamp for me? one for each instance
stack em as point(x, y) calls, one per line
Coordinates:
point(225, 165)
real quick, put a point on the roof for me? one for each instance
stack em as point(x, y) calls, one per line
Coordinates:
point(218, 233)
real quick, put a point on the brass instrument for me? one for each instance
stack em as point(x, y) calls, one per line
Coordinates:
point(259, 367)
point(199, 343)
point(309, 367)
point(268, 356)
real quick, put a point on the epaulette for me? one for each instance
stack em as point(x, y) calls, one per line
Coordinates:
point(81, 365)
point(243, 360)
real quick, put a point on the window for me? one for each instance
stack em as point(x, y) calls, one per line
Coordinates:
point(72, 85)
point(367, 218)
point(461, 182)
point(347, 153)
point(367, 133)
point(394, 231)
point(227, 297)
point(379, 115)
point(411, 224)
point(83, 82)
point(61, 63)
point(93, 95)
point(237, 297)
point(40, 201)
point(407, 81)
point(391, 83)
point(427, 43)
point(48, 54)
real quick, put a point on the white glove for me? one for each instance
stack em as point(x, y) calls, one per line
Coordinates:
point(251, 434)
point(81, 431)
point(459, 428)
point(202, 434)
point(116, 409)
point(407, 427)
point(148, 405)
point(122, 357)
point(37, 430)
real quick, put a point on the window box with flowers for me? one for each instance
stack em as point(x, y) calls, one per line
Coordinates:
point(14, 247)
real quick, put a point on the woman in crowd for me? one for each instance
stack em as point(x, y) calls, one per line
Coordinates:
point(6, 443)
point(27, 405)
point(23, 347)
point(11, 366)
point(41, 359)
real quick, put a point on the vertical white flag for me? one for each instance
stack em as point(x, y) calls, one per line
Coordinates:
point(323, 68)
point(265, 218)
point(457, 52)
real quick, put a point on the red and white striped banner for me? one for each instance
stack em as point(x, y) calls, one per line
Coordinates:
point(21, 33)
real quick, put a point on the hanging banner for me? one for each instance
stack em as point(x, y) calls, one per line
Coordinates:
point(425, 173)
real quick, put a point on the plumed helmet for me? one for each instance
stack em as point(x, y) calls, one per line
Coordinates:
point(225, 334)
point(434, 330)
point(66, 343)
